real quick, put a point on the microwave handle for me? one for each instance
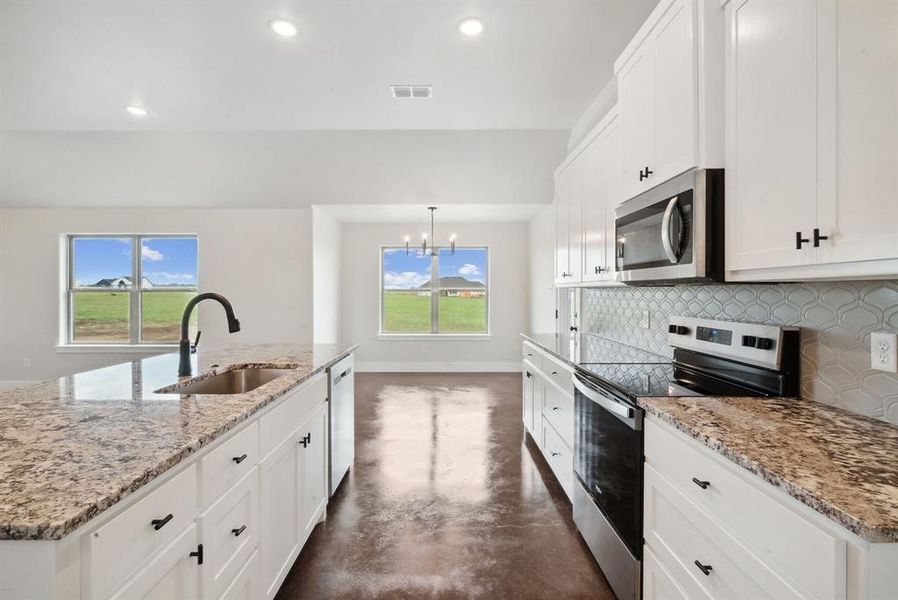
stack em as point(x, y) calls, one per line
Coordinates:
point(665, 230)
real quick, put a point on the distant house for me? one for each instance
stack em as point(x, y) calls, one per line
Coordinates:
point(458, 286)
point(121, 282)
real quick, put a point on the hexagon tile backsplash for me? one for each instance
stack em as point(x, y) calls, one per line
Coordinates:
point(836, 320)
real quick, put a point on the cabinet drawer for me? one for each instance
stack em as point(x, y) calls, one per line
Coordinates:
point(681, 536)
point(533, 354)
point(283, 420)
point(558, 408)
point(229, 531)
point(559, 456)
point(786, 540)
point(560, 374)
point(225, 465)
point(124, 543)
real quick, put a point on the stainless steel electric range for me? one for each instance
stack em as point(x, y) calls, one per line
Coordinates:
point(710, 358)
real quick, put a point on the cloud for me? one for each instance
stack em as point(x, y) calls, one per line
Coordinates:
point(166, 277)
point(468, 270)
point(150, 254)
point(404, 280)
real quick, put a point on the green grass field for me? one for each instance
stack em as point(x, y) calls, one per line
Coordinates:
point(104, 316)
point(410, 313)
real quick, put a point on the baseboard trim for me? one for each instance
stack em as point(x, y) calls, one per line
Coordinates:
point(438, 367)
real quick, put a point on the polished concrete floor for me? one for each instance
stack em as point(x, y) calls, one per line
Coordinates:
point(446, 499)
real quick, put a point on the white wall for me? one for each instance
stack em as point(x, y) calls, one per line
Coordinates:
point(508, 294)
point(542, 271)
point(325, 276)
point(259, 259)
point(276, 169)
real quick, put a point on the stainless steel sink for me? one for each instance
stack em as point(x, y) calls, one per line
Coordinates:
point(237, 381)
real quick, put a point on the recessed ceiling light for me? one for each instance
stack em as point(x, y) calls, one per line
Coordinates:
point(471, 27)
point(136, 111)
point(283, 27)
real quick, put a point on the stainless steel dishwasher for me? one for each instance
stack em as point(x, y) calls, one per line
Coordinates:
point(341, 418)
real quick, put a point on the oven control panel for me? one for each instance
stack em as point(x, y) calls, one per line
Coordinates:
point(746, 342)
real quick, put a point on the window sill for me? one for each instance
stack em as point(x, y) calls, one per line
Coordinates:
point(427, 337)
point(114, 348)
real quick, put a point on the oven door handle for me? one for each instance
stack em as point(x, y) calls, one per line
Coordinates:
point(665, 230)
point(623, 412)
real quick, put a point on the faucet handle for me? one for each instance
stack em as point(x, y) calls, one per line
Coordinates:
point(196, 342)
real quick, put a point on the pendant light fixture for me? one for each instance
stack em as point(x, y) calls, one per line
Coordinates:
point(424, 246)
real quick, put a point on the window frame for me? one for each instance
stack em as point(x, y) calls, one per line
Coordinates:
point(135, 292)
point(434, 333)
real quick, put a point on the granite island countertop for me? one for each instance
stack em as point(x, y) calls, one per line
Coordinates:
point(844, 466)
point(72, 448)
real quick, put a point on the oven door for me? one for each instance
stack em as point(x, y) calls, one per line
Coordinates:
point(608, 458)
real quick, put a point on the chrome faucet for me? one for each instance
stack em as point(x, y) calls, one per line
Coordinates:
point(186, 348)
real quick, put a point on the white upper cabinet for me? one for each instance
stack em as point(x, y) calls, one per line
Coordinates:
point(670, 93)
point(568, 223)
point(812, 139)
point(771, 147)
point(601, 166)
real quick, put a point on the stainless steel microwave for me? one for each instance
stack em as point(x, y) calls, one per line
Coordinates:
point(673, 233)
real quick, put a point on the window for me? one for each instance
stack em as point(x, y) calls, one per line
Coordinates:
point(455, 302)
point(129, 289)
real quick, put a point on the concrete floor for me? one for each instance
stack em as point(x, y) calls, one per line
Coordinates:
point(446, 500)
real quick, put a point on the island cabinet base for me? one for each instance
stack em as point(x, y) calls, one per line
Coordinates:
point(714, 530)
point(226, 523)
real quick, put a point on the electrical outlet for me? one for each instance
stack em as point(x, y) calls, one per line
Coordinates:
point(647, 320)
point(26, 363)
point(884, 351)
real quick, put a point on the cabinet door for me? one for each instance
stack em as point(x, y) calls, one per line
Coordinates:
point(675, 84)
point(173, 573)
point(637, 115)
point(610, 159)
point(771, 132)
point(858, 209)
point(279, 512)
point(593, 210)
point(527, 382)
point(575, 220)
point(562, 262)
point(313, 462)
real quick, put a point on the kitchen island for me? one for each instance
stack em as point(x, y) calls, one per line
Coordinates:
point(108, 476)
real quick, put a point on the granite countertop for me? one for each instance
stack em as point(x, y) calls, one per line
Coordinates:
point(842, 465)
point(586, 348)
point(71, 448)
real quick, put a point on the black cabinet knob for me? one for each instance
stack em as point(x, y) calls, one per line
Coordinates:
point(702, 484)
point(198, 554)
point(800, 240)
point(239, 459)
point(818, 237)
point(238, 530)
point(706, 569)
point(160, 523)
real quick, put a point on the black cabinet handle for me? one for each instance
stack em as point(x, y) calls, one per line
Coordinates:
point(572, 328)
point(529, 375)
point(554, 372)
point(644, 173)
point(198, 554)
point(556, 408)
point(160, 523)
point(238, 530)
point(599, 270)
point(800, 240)
point(306, 440)
point(556, 454)
point(818, 237)
point(706, 569)
point(702, 484)
point(239, 459)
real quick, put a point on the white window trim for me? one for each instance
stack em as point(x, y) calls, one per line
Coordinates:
point(66, 343)
point(424, 336)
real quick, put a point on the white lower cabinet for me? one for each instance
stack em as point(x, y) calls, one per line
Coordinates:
point(226, 524)
point(172, 573)
point(548, 412)
point(714, 530)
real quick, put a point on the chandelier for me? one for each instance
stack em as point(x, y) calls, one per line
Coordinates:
point(433, 248)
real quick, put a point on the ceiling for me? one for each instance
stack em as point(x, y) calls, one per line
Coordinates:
point(216, 66)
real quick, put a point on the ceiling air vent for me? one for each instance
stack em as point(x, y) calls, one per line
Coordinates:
point(411, 91)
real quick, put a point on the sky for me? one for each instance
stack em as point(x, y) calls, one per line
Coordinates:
point(412, 271)
point(165, 261)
